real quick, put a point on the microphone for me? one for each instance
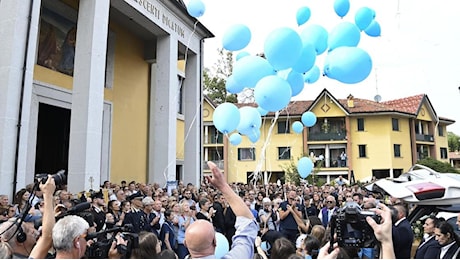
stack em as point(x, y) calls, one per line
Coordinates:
point(79, 208)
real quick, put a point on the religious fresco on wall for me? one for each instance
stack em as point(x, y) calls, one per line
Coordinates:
point(56, 48)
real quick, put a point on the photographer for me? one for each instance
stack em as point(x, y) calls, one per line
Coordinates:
point(45, 241)
point(22, 236)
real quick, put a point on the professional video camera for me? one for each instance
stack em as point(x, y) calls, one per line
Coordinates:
point(100, 249)
point(349, 222)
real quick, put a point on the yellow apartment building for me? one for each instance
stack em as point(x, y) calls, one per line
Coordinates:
point(379, 139)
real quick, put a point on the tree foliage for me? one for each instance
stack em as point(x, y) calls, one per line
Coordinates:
point(215, 79)
point(291, 173)
point(437, 165)
point(453, 141)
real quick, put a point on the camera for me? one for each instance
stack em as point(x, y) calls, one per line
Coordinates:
point(100, 249)
point(59, 178)
point(351, 227)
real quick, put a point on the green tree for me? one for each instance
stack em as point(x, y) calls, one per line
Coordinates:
point(453, 141)
point(291, 173)
point(437, 165)
point(216, 78)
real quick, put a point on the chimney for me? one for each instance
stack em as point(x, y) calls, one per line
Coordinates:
point(350, 101)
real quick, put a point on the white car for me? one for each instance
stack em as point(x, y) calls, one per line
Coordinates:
point(432, 192)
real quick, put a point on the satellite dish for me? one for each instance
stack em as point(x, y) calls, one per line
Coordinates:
point(377, 98)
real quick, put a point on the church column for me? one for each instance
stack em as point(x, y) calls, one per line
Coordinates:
point(163, 115)
point(88, 96)
point(19, 23)
point(193, 100)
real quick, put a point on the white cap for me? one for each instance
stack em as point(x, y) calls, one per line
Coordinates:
point(266, 200)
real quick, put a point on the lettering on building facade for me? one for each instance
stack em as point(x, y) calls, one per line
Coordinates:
point(161, 16)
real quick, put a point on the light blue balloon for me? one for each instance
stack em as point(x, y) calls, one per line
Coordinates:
point(262, 111)
point(341, 7)
point(308, 119)
point(272, 93)
point(226, 117)
point(348, 65)
point(344, 34)
point(241, 54)
point(232, 86)
point(282, 48)
point(235, 139)
point(316, 35)
point(312, 75)
point(303, 15)
point(306, 59)
point(222, 246)
point(254, 136)
point(196, 8)
point(250, 69)
point(373, 29)
point(236, 37)
point(297, 126)
point(304, 167)
point(364, 17)
point(250, 120)
point(295, 80)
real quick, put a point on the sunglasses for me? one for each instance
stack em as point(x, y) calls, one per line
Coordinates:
point(329, 201)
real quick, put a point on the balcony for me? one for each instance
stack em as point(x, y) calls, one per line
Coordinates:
point(219, 163)
point(327, 136)
point(213, 139)
point(424, 138)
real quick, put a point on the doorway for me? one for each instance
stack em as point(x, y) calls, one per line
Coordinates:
point(52, 148)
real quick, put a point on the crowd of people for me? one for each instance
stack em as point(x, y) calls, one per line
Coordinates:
point(138, 220)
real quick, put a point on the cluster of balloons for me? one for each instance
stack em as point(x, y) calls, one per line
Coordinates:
point(288, 63)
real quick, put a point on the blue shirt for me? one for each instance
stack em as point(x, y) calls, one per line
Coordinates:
point(181, 231)
point(243, 240)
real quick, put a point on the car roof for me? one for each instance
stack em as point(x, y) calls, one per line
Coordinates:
point(422, 186)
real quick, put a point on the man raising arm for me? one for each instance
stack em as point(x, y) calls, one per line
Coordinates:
point(200, 236)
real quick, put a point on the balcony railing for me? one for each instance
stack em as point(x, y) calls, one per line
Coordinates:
point(219, 163)
point(424, 138)
point(211, 139)
point(326, 136)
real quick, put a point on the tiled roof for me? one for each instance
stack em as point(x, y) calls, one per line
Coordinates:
point(365, 106)
point(407, 104)
point(454, 155)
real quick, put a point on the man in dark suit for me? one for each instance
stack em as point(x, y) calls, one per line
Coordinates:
point(135, 215)
point(218, 220)
point(429, 248)
point(448, 240)
point(97, 209)
point(402, 233)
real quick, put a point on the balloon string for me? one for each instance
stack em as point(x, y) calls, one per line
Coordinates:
point(264, 148)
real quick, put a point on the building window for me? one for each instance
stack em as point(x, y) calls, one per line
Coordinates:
point(443, 153)
point(284, 153)
point(397, 150)
point(360, 124)
point(180, 95)
point(283, 127)
point(440, 130)
point(246, 154)
point(362, 150)
point(395, 124)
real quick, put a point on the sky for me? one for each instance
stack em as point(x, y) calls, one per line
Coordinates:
point(418, 51)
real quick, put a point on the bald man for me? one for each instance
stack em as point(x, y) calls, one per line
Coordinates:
point(200, 236)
